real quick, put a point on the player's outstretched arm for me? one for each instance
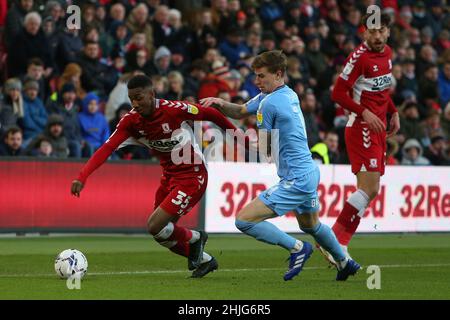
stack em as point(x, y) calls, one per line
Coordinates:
point(97, 159)
point(232, 110)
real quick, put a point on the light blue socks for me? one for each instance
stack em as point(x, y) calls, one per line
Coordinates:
point(326, 238)
point(267, 232)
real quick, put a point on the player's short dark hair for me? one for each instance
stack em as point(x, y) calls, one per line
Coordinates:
point(140, 81)
point(273, 60)
point(385, 19)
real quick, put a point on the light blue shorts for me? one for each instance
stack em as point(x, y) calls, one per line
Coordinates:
point(299, 195)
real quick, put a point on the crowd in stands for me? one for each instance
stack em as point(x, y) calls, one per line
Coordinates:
point(63, 90)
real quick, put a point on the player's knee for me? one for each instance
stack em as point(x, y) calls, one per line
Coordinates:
point(153, 228)
point(243, 225)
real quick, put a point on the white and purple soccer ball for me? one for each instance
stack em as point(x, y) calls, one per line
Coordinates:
point(71, 263)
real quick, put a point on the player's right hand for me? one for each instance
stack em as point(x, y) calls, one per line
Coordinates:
point(76, 188)
point(375, 124)
point(206, 102)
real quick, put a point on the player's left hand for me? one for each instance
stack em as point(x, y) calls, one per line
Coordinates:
point(76, 188)
point(394, 125)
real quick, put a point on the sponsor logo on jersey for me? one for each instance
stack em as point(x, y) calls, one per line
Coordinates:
point(381, 83)
point(259, 117)
point(192, 109)
point(164, 145)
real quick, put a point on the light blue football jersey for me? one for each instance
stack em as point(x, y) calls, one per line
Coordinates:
point(279, 112)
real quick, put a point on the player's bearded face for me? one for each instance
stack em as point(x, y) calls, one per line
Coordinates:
point(142, 101)
point(377, 38)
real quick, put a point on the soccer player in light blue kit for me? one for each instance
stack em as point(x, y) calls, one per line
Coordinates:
point(278, 111)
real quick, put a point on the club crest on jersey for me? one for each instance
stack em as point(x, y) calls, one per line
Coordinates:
point(375, 68)
point(166, 128)
point(192, 109)
point(373, 163)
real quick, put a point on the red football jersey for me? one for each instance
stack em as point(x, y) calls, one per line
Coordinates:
point(167, 129)
point(367, 77)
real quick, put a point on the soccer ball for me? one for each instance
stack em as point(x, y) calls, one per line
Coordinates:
point(71, 262)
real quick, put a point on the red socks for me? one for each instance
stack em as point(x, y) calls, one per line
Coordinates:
point(346, 224)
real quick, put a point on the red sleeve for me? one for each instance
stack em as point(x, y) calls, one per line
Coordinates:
point(102, 154)
point(213, 115)
point(391, 107)
point(345, 82)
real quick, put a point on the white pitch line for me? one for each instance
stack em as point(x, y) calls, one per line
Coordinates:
point(118, 273)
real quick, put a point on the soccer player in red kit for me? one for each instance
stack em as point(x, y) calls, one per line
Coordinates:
point(363, 88)
point(163, 125)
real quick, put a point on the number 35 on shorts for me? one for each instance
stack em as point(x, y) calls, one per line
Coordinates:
point(182, 200)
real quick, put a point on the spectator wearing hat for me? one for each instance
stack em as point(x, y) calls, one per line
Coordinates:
point(215, 82)
point(53, 133)
point(412, 154)
point(161, 62)
point(35, 115)
point(11, 143)
point(29, 43)
point(233, 47)
point(93, 124)
point(11, 104)
point(66, 105)
point(410, 123)
point(436, 152)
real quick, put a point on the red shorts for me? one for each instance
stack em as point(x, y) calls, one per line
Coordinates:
point(180, 192)
point(366, 150)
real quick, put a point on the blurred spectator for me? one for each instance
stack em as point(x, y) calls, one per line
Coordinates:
point(445, 121)
point(327, 152)
point(198, 72)
point(317, 61)
point(233, 47)
point(436, 152)
point(160, 85)
point(410, 123)
point(11, 105)
point(412, 154)
point(15, 18)
point(181, 39)
point(431, 127)
point(444, 84)
point(96, 76)
point(161, 62)
point(161, 27)
point(72, 73)
point(29, 43)
point(35, 115)
point(94, 127)
point(137, 22)
point(54, 12)
point(117, 13)
point(428, 87)
point(114, 42)
point(392, 149)
point(216, 82)
point(43, 148)
point(54, 134)
point(309, 108)
point(176, 83)
point(65, 104)
point(70, 44)
point(11, 144)
point(35, 71)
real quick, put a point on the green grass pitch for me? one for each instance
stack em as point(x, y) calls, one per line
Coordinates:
point(135, 267)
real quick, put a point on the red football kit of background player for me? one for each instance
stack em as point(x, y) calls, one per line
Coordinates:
point(367, 77)
point(182, 185)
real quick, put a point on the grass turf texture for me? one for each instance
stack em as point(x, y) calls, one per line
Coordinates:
point(135, 267)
